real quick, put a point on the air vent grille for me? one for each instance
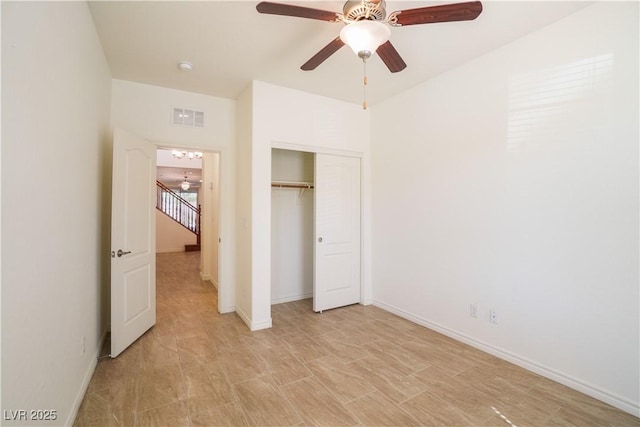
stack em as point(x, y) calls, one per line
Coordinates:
point(187, 117)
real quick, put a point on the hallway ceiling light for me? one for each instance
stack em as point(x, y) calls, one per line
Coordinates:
point(179, 154)
point(185, 184)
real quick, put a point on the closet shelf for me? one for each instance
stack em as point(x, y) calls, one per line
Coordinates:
point(292, 184)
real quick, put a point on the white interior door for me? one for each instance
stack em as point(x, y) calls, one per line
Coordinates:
point(133, 262)
point(337, 232)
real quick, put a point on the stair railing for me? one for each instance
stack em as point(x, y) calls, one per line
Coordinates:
point(178, 209)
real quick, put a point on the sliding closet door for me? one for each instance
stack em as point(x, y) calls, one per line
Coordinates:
point(337, 232)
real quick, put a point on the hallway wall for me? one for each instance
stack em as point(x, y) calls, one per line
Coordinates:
point(210, 239)
point(171, 236)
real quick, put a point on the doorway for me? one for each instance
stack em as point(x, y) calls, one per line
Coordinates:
point(194, 221)
point(133, 235)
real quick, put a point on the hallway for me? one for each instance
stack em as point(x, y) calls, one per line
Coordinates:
point(351, 366)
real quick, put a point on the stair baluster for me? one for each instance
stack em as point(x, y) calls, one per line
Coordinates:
point(178, 209)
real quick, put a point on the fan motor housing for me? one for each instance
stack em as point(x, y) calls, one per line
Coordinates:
point(357, 10)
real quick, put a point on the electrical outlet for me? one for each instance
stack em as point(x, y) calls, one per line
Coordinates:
point(473, 310)
point(82, 347)
point(493, 316)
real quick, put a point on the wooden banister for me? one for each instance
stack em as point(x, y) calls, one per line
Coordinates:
point(178, 209)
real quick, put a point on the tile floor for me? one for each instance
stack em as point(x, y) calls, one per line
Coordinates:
point(351, 366)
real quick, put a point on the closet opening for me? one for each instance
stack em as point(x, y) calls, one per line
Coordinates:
point(292, 225)
point(315, 229)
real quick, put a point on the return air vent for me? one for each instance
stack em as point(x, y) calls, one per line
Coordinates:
point(186, 117)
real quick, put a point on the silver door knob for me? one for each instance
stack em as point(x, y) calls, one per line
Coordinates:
point(121, 252)
point(319, 239)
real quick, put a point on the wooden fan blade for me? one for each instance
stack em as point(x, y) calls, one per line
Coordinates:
point(324, 53)
point(391, 57)
point(297, 11)
point(443, 13)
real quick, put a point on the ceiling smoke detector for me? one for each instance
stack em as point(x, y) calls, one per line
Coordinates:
point(185, 66)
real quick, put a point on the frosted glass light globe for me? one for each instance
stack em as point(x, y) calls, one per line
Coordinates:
point(365, 36)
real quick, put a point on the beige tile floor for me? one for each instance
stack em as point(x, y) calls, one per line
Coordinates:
point(351, 366)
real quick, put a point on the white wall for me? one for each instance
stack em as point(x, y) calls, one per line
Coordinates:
point(146, 111)
point(244, 132)
point(171, 236)
point(512, 182)
point(291, 227)
point(286, 118)
point(55, 201)
point(210, 221)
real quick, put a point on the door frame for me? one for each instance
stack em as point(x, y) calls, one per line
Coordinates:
point(223, 286)
point(336, 152)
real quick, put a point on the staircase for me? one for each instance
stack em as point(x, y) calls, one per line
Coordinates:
point(181, 211)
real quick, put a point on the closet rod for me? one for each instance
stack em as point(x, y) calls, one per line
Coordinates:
point(301, 185)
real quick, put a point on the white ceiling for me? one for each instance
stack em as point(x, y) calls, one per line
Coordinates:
point(172, 171)
point(173, 177)
point(230, 44)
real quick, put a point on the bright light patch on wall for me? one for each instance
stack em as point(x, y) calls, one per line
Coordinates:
point(187, 117)
point(556, 105)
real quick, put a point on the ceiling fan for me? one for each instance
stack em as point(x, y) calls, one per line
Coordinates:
point(367, 25)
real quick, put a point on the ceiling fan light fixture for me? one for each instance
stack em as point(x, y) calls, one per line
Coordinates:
point(364, 37)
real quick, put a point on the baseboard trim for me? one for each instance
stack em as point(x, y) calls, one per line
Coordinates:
point(253, 326)
point(291, 298)
point(244, 317)
point(166, 251)
point(75, 408)
point(229, 309)
point(208, 278)
point(619, 402)
point(265, 324)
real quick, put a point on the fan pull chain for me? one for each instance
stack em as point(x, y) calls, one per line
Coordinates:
point(364, 88)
